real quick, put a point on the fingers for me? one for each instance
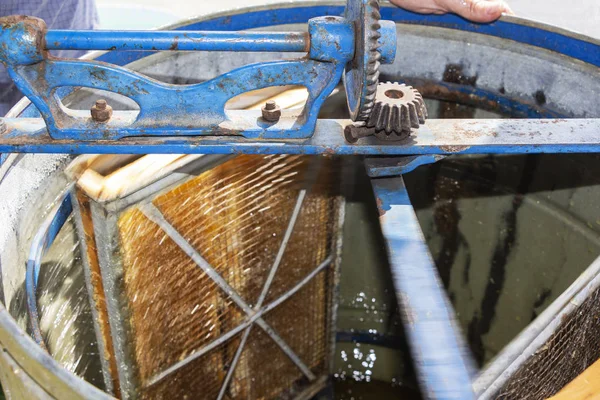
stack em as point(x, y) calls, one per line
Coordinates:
point(476, 10)
point(473, 10)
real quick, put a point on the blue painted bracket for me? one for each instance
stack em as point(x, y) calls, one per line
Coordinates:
point(441, 359)
point(379, 167)
point(179, 110)
point(172, 110)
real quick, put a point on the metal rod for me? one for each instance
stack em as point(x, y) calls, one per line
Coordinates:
point(299, 286)
point(197, 354)
point(178, 40)
point(282, 247)
point(265, 291)
point(441, 358)
point(234, 363)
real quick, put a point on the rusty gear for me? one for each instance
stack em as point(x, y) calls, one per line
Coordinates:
point(362, 74)
point(398, 109)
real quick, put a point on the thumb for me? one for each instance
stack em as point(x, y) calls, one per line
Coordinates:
point(477, 10)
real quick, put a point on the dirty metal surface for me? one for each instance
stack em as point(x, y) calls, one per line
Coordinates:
point(168, 109)
point(178, 40)
point(440, 137)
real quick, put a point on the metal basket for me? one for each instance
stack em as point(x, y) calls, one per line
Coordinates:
point(554, 350)
point(218, 278)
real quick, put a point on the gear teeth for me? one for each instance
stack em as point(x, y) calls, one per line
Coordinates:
point(372, 81)
point(397, 110)
point(372, 78)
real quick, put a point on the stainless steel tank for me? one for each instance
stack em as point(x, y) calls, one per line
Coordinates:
point(515, 67)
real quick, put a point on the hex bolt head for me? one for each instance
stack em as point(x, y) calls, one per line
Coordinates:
point(271, 111)
point(101, 111)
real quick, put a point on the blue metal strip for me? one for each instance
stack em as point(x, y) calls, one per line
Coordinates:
point(178, 40)
point(441, 137)
point(441, 360)
point(39, 246)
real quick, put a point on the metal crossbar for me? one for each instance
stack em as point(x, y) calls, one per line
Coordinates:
point(254, 315)
point(267, 286)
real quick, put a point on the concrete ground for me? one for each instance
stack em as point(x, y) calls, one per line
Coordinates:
point(581, 15)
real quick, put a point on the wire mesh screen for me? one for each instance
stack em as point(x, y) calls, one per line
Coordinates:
point(573, 348)
point(228, 280)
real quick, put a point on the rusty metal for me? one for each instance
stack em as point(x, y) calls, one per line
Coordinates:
point(362, 75)
point(198, 109)
point(101, 111)
point(398, 110)
point(437, 136)
point(271, 111)
point(357, 131)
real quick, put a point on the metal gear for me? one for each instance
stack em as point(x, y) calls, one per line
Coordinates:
point(397, 110)
point(362, 73)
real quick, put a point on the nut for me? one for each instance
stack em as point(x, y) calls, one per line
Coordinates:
point(101, 111)
point(271, 111)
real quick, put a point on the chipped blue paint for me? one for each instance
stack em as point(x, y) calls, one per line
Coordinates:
point(178, 110)
point(379, 167)
point(178, 40)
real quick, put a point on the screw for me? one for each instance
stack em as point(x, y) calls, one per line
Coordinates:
point(101, 111)
point(271, 112)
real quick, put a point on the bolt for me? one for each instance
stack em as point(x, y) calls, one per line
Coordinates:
point(101, 111)
point(354, 132)
point(271, 112)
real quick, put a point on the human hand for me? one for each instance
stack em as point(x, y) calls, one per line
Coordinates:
point(474, 10)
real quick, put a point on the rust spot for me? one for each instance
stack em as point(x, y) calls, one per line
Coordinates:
point(175, 43)
point(453, 149)
point(540, 97)
point(380, 207)
point(98, 74)
point(454, 73)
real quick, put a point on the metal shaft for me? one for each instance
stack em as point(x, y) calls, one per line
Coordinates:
point(441, 359)
point(178, 40)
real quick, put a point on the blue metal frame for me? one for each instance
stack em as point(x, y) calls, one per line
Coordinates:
point(438, 137)
point(176, 110)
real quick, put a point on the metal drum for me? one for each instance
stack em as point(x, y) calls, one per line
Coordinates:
point(490, 221)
